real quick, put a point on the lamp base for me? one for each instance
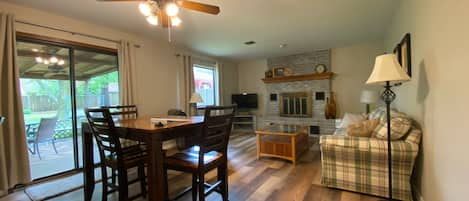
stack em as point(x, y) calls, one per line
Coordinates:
point(193, 109)
point(388, 96)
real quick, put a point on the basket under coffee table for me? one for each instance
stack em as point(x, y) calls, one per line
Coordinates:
point(285, 141)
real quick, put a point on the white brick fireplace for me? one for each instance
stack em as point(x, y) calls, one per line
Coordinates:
point(317, 90)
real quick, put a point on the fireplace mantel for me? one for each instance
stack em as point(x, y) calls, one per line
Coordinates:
point(293, 78)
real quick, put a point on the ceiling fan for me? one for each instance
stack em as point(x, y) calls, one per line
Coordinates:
point(165, 12)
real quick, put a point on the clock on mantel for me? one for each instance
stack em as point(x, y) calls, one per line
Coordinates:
point(293, 78)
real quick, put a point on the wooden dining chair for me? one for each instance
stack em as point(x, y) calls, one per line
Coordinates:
point(210, 154)
point(114, 156)
point(123, 111)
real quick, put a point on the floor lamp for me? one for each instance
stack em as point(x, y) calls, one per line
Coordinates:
point(368, 97)
point(389, 72)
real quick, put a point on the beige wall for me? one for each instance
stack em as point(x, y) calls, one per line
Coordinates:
point(230, 81)
point(250, 74)
point(156, 62)
point(353, 66)
point(437, 95)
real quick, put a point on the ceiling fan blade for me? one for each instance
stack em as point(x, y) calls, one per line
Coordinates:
point(205, 8)
point(164, 19)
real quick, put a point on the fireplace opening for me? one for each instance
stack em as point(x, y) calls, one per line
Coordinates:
point(295, 104)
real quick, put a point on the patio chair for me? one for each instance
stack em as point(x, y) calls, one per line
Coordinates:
point(44, 133)
point(176, 112)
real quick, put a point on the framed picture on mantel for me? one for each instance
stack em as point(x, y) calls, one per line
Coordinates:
point(403, 54)
point(279, 72)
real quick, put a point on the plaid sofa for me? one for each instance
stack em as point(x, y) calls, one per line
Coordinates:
point(360, 164)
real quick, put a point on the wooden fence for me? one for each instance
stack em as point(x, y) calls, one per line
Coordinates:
point(48, 103)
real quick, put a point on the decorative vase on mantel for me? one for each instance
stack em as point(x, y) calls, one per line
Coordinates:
point(331, 107)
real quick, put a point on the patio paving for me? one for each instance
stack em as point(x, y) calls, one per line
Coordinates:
point(53, 163)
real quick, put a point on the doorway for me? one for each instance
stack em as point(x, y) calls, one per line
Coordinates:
point(58, 80)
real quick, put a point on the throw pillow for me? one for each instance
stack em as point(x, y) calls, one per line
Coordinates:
point(377, 113)
point(399, 127)
point(362, 129)
point(394, 113)
point(350, 118)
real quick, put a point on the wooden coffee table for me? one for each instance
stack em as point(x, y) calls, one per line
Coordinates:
point(285, 141)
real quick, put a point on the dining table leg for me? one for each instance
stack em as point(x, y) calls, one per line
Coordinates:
point(156, 188)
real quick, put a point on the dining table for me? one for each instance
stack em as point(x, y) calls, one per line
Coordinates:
point(152, 134)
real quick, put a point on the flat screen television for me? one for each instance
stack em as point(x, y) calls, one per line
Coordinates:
point(245, 101)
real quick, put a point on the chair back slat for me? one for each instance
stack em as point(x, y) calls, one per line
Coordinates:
point(123, 111)
point(103, 129)
point(217, 129)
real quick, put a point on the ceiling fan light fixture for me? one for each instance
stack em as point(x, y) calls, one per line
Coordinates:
point(61, 62)
point(172, 9)
point(145, 8)
point(153, 20)
point(54, 60)
point(175, 21)
point(38, 59)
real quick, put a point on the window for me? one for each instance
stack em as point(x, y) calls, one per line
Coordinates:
point(206, 84)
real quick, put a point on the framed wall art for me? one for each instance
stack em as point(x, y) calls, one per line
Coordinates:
point(279, 72)
point(403, 54)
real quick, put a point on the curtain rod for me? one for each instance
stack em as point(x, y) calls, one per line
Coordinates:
point(72, 32)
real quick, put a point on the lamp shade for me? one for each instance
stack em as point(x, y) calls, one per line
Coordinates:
point(387, 68)
point(369, 96)
point(196, 98)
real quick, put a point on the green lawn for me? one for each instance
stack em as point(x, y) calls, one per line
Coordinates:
point(35, 117)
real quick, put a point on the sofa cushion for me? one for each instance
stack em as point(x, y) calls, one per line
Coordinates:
point(350, 118)
point(362, 143)
point(399, 128)
point(362, 129)
point(340, 131)
point(377, 113)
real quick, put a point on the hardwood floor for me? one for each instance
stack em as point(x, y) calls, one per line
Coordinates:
point(250, 179)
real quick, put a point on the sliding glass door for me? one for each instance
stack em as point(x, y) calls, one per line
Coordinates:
point(57, 82)
point(47, 105)
point(96, 83)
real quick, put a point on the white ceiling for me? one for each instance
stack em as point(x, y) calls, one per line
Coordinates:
point(304, 25)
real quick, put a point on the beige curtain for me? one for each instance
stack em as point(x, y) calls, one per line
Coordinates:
point(14, 163)
point(185, 82)
point(127, 69)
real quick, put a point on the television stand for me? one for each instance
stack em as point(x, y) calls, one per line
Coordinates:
point(244, 122)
